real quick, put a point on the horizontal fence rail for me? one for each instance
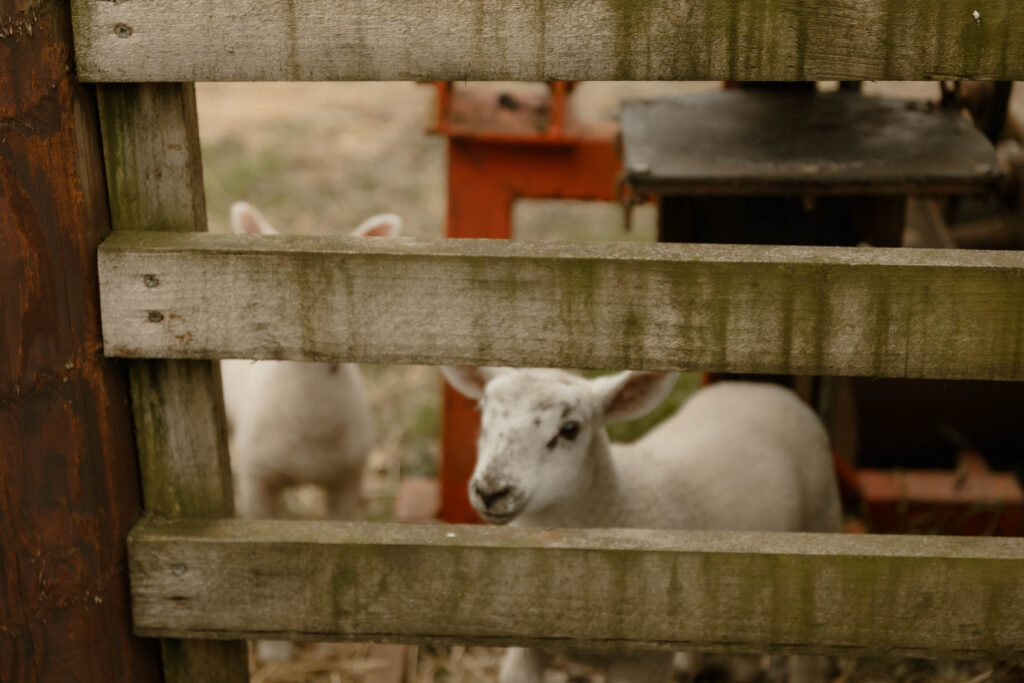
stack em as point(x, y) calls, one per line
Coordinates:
point(801, 310)
point(864, 595)
point(255, 40)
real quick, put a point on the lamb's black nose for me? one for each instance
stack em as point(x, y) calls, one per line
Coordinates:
point(491, 497)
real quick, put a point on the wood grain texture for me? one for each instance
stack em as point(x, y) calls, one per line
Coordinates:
point(154, 175)
point(179, 427)
point(153, 161)
point(621, 589)
point(69, 488)
point(427, 40)
point(793, 310)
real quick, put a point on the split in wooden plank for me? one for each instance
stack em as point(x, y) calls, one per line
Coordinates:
point(764, 309)
point(154, 177)
point(427, 40)
point(951, 597)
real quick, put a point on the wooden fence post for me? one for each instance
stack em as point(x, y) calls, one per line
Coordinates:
point(69, 489)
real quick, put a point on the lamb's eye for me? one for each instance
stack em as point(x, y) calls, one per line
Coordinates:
point(569, 431)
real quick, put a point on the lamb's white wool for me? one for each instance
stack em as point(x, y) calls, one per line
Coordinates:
point(737, 456)
point(293, 423)
point(296, 423)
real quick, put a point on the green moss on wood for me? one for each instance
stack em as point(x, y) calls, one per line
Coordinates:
point(724, 308)
point(605, 588)
point(611, 39)
point(198, 485)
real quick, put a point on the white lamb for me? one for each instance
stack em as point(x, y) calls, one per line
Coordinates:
point(294, 423)
point(737, 456)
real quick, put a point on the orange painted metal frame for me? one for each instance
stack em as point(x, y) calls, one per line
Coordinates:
point(971, 500)
point(487, 172)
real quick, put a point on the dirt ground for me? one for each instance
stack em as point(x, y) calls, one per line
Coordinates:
point(318, 158)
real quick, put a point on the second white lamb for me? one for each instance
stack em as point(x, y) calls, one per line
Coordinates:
point(292, 423)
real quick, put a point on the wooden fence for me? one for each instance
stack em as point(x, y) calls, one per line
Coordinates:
point(251, 40)
point(168, 294)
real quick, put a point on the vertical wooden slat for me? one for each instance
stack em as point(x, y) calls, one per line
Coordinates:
point(154, 175)
point(68, 476)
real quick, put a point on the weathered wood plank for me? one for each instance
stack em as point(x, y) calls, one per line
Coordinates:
point(153, 161)
point(179, 428)
point(154, 176)
point(797, 310)
point(69, 490)
point(864, 595)
point(247, 40)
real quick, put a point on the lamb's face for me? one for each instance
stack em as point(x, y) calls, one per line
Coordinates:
point(536, 430)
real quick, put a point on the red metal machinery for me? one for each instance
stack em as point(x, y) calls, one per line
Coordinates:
point(970, 500)
point(488, 169)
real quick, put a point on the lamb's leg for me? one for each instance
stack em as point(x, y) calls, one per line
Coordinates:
point(275, 650)
point(522, 665)
point(810, 669)
point(744, 668)
point(686, 664)
point(650, 667)
point(343, 498)
point(257, 497)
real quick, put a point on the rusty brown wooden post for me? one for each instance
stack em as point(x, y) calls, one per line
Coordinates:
point(69, 483)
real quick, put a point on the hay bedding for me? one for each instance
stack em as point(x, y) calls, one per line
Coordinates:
point(319, 663)
point(352, 663)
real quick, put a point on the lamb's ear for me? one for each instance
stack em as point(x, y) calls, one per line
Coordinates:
point(631, 394)
point(246, 219)
point(469, 380)
point(381, 225)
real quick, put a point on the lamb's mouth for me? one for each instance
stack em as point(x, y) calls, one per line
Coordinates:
point(500, 518)
point(492, 518)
